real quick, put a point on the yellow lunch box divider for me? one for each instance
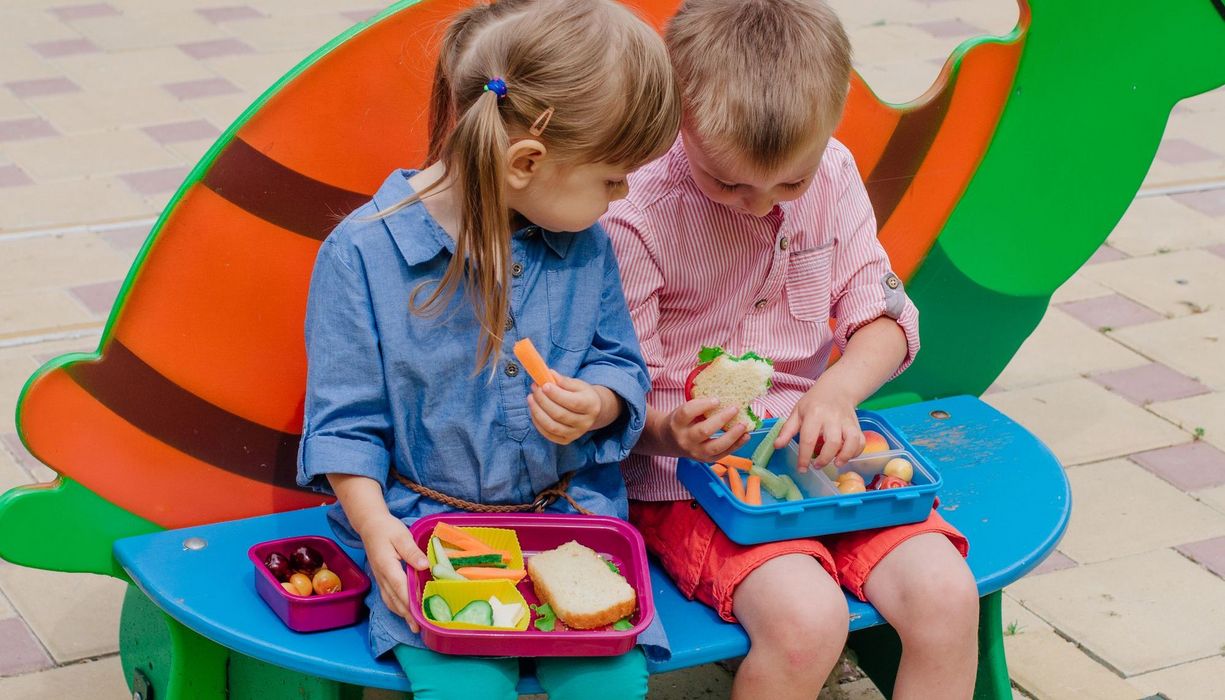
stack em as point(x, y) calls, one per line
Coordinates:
point(460, 593)
point(497, 538)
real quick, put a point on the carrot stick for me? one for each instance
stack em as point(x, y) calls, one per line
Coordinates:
point(457, 537)
point(736, 483)
point(741, 463)
point(476, 573)
point(533, 362)
point(752, 490)
point(719, 469)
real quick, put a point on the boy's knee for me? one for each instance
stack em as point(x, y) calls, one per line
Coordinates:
point(945, 608)
point(804, 630)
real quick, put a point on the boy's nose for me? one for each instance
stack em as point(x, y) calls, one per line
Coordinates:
point(759, 206)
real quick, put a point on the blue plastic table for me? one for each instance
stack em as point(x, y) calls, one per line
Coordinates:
point(1002, 488)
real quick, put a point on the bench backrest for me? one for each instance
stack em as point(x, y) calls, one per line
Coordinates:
point(191, 409)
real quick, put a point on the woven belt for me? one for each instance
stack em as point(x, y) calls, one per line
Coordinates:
point(543, 500)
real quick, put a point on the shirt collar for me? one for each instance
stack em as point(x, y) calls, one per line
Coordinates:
point(419, 236)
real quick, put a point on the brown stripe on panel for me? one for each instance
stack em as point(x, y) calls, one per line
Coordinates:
point(141, 395)
point(904, 154)
point(280, 195)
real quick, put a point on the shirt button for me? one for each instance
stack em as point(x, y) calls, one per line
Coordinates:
point(512, 369)
point(782, 244)
point(761, 304)
point(510, 322)
point(516, 269)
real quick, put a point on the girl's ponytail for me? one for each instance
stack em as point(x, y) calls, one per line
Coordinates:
point(476, 168)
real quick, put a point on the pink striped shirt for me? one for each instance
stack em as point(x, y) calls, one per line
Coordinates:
point(698, 273)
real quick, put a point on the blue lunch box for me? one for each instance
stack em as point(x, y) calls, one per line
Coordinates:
point(822, 511)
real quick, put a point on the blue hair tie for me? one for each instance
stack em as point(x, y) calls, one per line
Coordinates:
point(497, 86)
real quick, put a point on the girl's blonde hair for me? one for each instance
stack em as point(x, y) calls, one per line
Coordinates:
point(605, 75)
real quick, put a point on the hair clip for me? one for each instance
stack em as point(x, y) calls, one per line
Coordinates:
point(542, 122)
point(497, 86)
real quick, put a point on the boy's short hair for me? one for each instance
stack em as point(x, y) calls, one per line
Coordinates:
point(760, 77)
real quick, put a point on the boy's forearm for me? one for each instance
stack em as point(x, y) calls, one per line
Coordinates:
point(872, 355)
point(361, 498)
point(653, 440)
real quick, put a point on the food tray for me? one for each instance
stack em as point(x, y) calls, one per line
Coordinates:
point(823, 511)
point(613, 539)
point(317, 612)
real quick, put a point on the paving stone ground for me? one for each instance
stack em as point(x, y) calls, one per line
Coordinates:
point(104, 107)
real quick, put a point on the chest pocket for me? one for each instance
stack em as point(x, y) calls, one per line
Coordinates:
point(809, 282)
point(574, 306)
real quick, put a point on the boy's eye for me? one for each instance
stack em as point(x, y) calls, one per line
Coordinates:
point(614, 184)
point(794, 185)
point(726, 187)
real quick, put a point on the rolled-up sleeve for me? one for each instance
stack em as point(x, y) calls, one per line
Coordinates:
point(347, 423)
point(865, 287)
point(615, 361)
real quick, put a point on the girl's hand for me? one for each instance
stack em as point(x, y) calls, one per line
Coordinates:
point(566, 409)
point(828, 427)
point(691, 434)
point(388, 547)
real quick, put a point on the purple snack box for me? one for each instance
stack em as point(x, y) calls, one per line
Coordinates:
point(611, 538)
point(317, 612)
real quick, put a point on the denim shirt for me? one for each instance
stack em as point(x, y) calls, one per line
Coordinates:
point(390, 388)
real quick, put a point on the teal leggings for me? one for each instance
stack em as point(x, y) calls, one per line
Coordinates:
point(440, 677)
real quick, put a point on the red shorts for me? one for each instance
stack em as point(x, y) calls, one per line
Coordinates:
point(708, 566)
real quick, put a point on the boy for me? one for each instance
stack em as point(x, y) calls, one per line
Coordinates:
point(751, 233)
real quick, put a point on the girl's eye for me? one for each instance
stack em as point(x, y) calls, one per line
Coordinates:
point(726, 187)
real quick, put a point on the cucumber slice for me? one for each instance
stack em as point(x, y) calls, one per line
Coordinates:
point(478, 560)
point(793, 491)
point(478, 612)
point(771, 482)
point(436, 609)
point(765, 448)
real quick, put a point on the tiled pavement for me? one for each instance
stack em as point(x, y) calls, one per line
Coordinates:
point(104, 106)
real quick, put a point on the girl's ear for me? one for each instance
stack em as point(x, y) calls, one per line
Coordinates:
point(523, 162)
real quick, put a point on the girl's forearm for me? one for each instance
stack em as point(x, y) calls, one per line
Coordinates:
point(871, 357)
point(361, 498)
point(610, 407)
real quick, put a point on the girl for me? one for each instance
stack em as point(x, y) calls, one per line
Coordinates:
point(540, 109)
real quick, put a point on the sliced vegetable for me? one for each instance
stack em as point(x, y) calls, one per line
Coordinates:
point(771, 482)
point(718, 469)
point(478, 612)
point(736, 483)
point(546, 619)
point(489, 573)
point(459, 538)
point(793, 491)
point(752, 490)
point(765, 449)
point(613, 565)
point(732, 461)
point(436, 608)
point(531, 360)
point(442, 568)
point(491, 559)
point(453, 553)
point(623, 624)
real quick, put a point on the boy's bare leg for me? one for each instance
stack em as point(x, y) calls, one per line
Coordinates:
point(926, 591)
point(796, 618)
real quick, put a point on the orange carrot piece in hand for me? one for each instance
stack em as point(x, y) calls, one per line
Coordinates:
point(533, 362)
point(484, 573)
point(718, 469)
point(744, 464)
point(736, 483)
point(752, 490)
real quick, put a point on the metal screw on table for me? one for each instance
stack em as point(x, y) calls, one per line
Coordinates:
point(940, 415)
point(195, 544)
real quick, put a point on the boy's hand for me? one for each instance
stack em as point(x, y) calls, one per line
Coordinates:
point(691, 434)
point(828, 427)
point(388, 547)
point(566, 409)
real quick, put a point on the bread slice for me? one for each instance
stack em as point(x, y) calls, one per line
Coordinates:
point(736, 381)
point(580, 587)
